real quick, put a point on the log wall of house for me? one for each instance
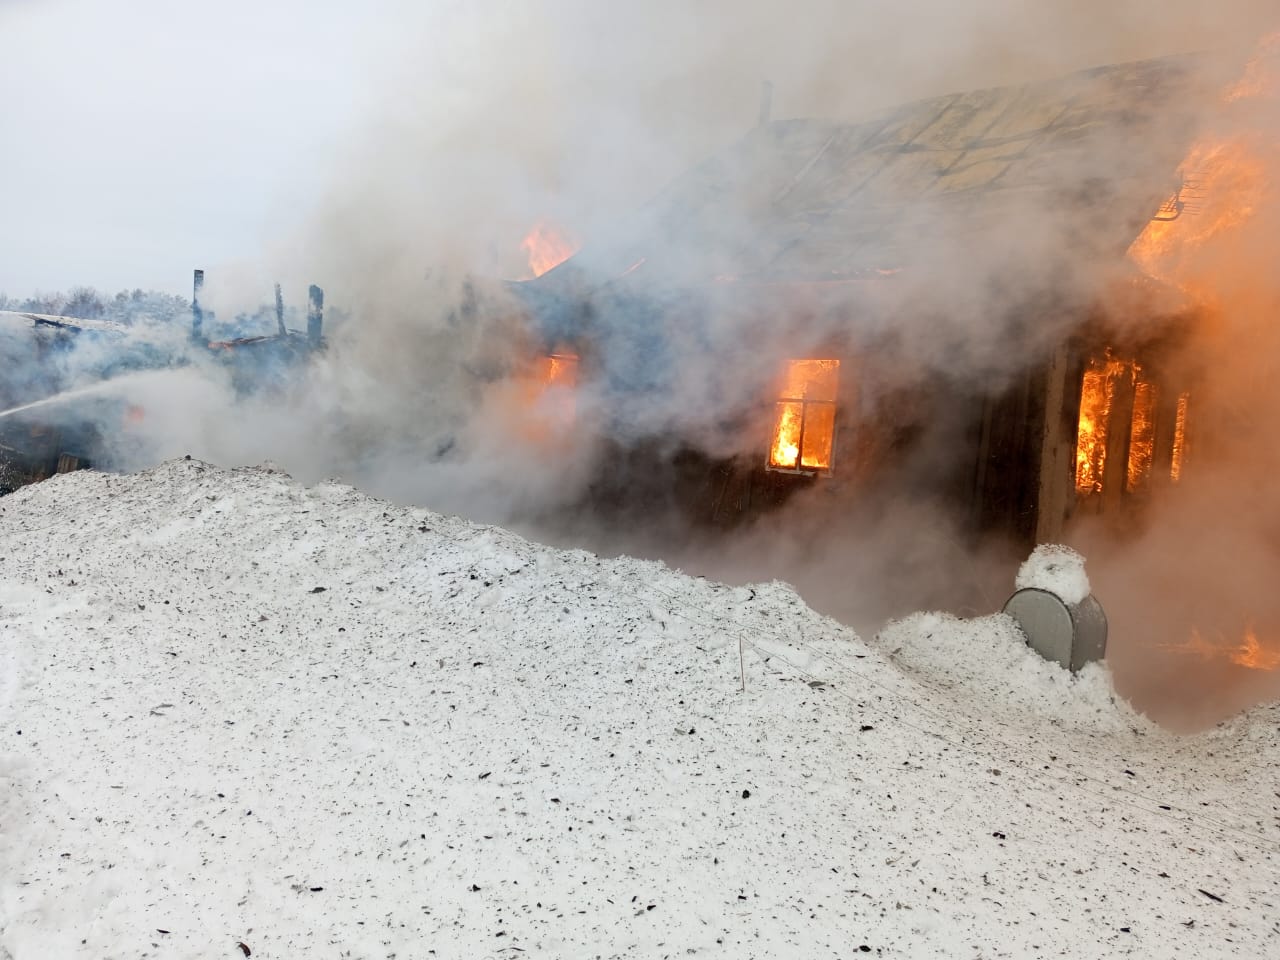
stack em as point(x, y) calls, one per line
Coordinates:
point(1007, 458)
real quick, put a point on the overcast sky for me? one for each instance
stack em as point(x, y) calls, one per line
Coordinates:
point(141, 138)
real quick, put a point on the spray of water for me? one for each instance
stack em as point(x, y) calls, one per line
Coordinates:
point(117, 387)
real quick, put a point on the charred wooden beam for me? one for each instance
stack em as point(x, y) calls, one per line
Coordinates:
point(1115, 479)
point(197, 310)
point(315, 315)
point(280, 312)
point(1058, 444)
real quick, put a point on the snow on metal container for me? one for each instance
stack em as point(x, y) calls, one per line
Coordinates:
point(1069, 634)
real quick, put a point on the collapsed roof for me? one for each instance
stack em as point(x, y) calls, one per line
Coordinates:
point(70, 324)
point(1081, 161)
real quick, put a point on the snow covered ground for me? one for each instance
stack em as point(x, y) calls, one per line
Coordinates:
point(239, 717)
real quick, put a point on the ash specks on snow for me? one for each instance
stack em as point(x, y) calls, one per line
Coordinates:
point(977, 658)
point(473, 744)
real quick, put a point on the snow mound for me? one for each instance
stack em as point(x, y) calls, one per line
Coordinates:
point(1057, 569)
point(238, 710)
point(986, 660)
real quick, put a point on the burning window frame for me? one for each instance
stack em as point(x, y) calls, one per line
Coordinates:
point(559, 369)
point(826, 379)
point(1131, 428)
point(546, 387)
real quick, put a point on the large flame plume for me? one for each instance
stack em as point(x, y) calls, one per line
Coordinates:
point(1201, 579)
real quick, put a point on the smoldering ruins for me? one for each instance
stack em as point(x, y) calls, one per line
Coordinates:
point(109, 394)
point(875, 328)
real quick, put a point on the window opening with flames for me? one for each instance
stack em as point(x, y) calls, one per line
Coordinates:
point(1125, 419)
point(559, 370)
point(805, 423)
point(557, 379)
point(547, 392)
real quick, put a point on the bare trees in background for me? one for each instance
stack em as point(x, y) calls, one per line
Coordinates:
point(127, 306)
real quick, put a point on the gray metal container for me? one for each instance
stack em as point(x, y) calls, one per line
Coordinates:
point(1068, 634)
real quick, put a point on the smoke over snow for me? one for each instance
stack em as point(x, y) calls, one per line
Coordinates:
point(498, 117)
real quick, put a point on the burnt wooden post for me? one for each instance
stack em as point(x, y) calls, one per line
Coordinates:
point(1115, 476)
point(1168, 400)
point(1057, 445)
point(197, 311)
point(280, 329)
point(315, 314)
point(1005, 478)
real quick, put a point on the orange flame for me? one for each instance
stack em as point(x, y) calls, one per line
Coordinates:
point(552, 394)
point(1222, 186)
point(1180, 437)
point(1097, 390)
point(1252, 654)
point(1104, 378)
point(547, 248)
point(560, 370)
point(1223, 181)
point(543, 395)
point(804, 432)
point(1202, 242)
point(1249, 652)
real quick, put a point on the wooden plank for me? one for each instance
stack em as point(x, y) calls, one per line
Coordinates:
point(1056, 484)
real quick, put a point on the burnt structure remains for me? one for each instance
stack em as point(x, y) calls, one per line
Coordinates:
point(57, 413)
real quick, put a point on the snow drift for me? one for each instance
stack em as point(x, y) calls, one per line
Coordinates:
point(237, 711)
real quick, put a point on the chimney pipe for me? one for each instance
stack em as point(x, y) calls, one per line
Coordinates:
point(766, 102)
point(315, 314)
point(197, 311)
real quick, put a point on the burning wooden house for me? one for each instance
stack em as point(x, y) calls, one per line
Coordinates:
point(938, 303)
